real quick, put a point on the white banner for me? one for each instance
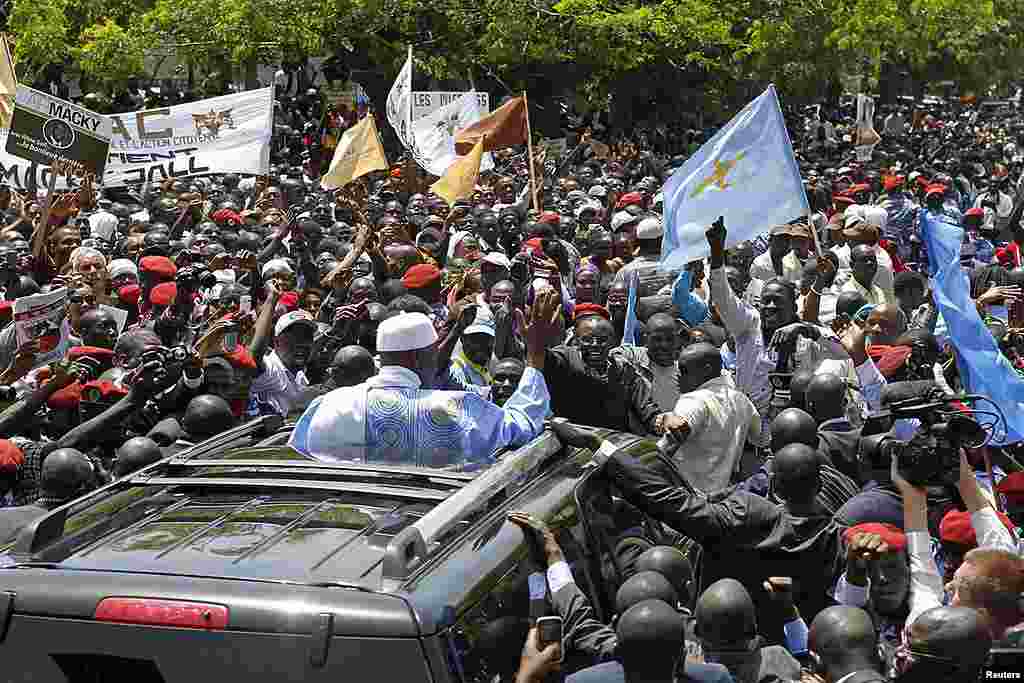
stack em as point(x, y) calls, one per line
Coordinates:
point(229, 134)
point(425, 103)
point(435, 134)
point(398, 104)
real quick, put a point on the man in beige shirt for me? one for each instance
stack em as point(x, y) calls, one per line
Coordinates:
point(720, 420)
point(864, 265)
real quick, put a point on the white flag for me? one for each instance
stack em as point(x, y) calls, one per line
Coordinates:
point(400, 103)
point(435, 134)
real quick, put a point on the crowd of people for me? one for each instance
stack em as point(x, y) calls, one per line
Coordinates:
point(394, 327)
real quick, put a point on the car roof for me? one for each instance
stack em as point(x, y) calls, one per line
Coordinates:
point(244, 506)
point(242, 511)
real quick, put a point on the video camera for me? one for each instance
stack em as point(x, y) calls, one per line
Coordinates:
point(931, 457)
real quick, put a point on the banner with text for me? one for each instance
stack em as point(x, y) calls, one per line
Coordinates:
point(229, 134)
point(24, 175)
point(45, 129)
point(424, 103)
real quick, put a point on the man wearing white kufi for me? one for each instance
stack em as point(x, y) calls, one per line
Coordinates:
point(393, 418)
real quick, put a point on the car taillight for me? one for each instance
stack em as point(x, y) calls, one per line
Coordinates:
point(152, 612)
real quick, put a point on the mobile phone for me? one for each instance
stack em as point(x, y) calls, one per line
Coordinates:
point(550, 631)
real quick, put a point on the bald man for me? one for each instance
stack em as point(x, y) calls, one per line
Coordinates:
point(946, 644)
point(352, 365)
point(726, 618)
point(657, 360)
point(837, 438)
point(720, 420)
point(844, 644)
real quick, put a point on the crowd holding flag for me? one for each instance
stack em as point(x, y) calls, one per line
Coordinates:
point(503, 127)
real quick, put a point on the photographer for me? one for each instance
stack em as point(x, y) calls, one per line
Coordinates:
point(892, 573)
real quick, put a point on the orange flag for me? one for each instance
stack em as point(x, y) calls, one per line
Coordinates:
point(503, 127)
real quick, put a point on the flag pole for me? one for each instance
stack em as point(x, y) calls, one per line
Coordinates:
point(529, 156)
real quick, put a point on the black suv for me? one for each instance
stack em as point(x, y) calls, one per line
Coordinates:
point(242, 556)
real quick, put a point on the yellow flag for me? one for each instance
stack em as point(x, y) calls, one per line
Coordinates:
point(358, 153)
point(460, 179)
point(8, 83)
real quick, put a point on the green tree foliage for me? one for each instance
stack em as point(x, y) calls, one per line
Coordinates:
point(714, 47)
point(241, 30)
point(42, 30)
point(109, 54)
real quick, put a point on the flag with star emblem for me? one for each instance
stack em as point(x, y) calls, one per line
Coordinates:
point(747, 173)
point(435, 134)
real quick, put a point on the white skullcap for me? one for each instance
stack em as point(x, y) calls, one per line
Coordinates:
point(103, 225)
point(122, 266)
point(274, 266)
point(85, 252)
point(649, 228)
point(405, 332)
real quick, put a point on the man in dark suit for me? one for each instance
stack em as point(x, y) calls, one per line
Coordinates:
point(753, 538)
point(837, 438)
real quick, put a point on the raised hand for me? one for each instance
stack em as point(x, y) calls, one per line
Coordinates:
point(544, 326)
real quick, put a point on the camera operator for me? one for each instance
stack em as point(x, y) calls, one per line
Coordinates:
point(892, 573)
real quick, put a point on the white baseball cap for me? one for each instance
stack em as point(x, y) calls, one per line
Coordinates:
point(293, 318)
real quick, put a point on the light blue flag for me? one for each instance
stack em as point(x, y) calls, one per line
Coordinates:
point(632, 325)
point(983, 368)
point(746, 172)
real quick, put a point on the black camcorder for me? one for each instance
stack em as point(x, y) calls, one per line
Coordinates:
point(931, 457)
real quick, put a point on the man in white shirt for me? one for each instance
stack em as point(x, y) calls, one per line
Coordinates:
point(395, 418)
point(103, 224)
point(282, 378)
point(720, 420)
point(759, 332)
point(779, 261)
point(864, 225)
